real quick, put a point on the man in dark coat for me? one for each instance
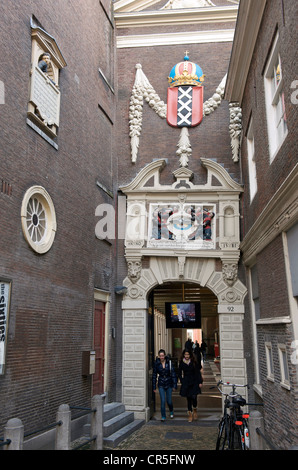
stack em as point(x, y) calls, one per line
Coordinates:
point(188, 344)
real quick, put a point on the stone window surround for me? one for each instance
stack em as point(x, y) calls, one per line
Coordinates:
point(269, 361)
point(283, 366)
point(42, 42)
point(43, 245)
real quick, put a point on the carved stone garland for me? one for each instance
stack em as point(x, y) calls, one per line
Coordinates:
point(235, 129)
point(142, 89)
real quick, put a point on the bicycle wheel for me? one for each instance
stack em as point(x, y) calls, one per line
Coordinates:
point(222, 442)
point(237, 438)
point(234, 432)
point(245, 433)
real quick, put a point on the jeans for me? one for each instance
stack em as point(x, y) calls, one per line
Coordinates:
point(165, 394)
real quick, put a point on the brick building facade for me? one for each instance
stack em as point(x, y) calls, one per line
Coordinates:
point(269, 238)
point(87, 166)
point(52, 294)
point(150, 41)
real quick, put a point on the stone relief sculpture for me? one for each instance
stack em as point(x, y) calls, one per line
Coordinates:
point(134, 269)
point(181, 265)
point(46, 67)
point(235, 129)
point(143, 90)
point(135, 224)
point(177, 232)
point(184, 148)
point(214, 102)
point(229, 273)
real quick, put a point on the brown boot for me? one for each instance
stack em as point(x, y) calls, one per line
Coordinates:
point(189, 416)
point(195, 414)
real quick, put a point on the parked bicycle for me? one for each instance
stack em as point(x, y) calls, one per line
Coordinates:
point(233, 430)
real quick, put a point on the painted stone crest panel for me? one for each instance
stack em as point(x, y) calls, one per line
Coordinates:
point(190, 226)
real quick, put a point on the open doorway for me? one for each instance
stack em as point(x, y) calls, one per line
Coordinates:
point(172, 337)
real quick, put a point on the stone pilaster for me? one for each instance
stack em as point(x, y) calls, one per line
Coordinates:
point(135, 367)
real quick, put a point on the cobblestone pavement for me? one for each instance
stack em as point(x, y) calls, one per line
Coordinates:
point(177, 434)
point(171, 437)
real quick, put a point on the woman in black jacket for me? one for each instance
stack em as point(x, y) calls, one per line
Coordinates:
point(167, 380)
point(191, 382)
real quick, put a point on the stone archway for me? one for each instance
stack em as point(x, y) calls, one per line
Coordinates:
point(153, 259)
point(230, 293)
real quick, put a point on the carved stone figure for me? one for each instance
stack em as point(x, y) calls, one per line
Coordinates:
point(229, 273)
point(134, 270)
point(235, 129)
point(45, 66)
point(181, 265)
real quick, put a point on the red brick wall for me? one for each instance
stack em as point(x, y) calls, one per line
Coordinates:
point(158, 140)
point(273, 292)
point(51, 314)
point(279, 403)
point(270, 176)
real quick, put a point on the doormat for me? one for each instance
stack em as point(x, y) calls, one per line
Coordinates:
point(178, 435)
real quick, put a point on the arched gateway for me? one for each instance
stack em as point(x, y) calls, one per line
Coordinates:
point(182, 232)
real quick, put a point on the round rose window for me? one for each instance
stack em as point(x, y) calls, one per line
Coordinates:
point(38, 219)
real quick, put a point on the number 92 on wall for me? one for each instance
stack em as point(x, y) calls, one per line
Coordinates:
point(229, 308)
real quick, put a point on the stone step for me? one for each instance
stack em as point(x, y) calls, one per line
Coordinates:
point(114, 439)
point(112, 409)
point(117, 422)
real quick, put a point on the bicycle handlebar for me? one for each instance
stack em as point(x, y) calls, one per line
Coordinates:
point(231, 385)
point(234, 386)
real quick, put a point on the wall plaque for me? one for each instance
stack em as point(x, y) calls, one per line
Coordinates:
point(44, 100)
point(46, 97)
point(5, 288)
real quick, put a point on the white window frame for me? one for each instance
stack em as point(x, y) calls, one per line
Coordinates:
point(252, 171)
point(253, 303)
point(284, 370)
point(46, 219)
point(269, 360)
point(274, 97)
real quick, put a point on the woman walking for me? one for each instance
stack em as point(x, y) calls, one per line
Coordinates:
point(167, 380)
point(191, 382)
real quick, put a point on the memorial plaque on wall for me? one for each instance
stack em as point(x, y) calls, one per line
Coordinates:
point(46, 97)
point(5, 287)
